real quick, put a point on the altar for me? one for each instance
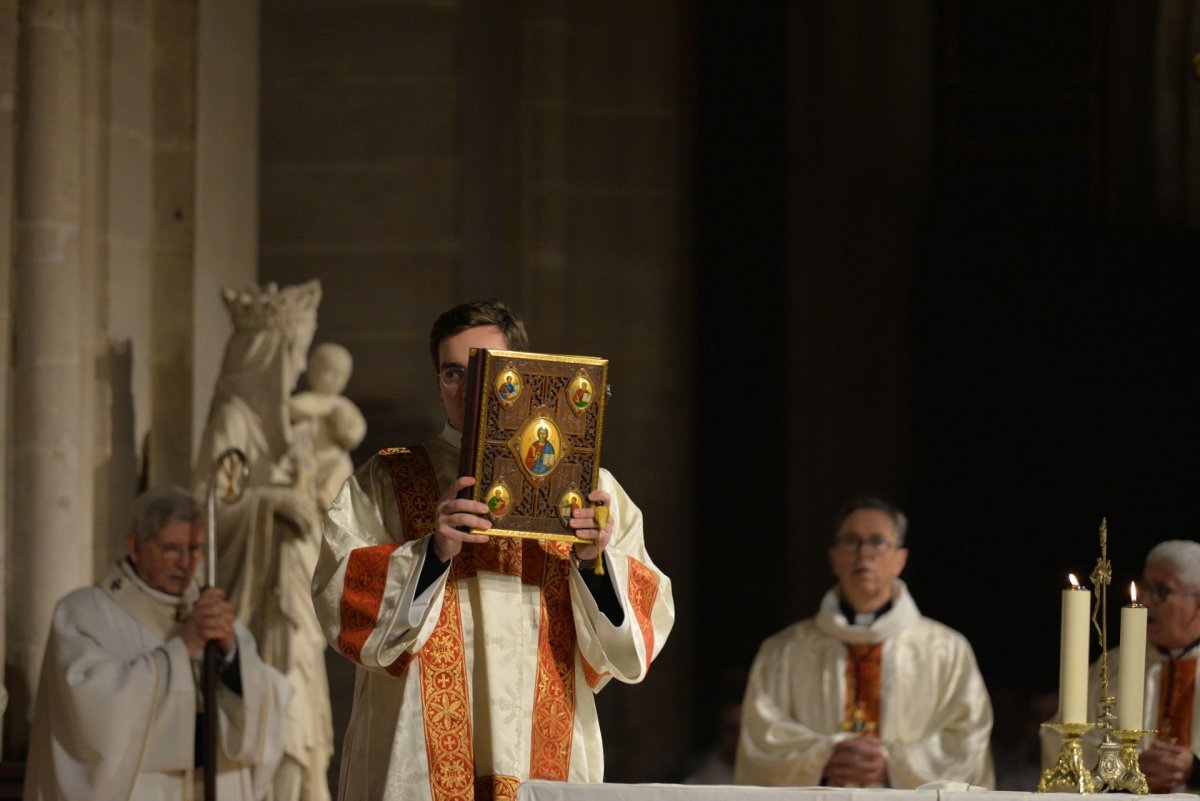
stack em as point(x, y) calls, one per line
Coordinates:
point(560, 791)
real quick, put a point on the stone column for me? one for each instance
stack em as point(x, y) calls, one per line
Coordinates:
point(49, 437)
point(489, 112)
point(8, 99)
point(226, 229)
point(546, 81)
point(601, 218)
point(174, 209)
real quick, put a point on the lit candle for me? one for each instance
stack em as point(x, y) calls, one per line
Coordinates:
point(1131, 681)
point(1073, 654)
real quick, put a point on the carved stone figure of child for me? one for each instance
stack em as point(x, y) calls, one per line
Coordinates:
point(331, 421)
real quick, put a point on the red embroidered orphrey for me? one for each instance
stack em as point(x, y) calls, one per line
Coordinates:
point(446, 703)
point(863, 675)
point(1175, 701)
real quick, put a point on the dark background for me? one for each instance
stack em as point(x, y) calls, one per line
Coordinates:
point(920, 248)
point(1046, 322)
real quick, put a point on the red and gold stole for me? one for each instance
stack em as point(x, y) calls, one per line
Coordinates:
point(444, 688)
point(864, 662)
point(1177, 691)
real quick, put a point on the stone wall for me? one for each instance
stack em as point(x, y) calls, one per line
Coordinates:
point(416, 155)
point(102, 133)
point(8, 103)
point(51, 371)
point(226, 251)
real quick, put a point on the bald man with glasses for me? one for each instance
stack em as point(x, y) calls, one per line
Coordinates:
point(869, 692)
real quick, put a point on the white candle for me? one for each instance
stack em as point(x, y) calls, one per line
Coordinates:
point(1073, 654)
point(1131, 678)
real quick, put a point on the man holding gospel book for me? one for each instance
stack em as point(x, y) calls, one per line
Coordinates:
point(478, 657)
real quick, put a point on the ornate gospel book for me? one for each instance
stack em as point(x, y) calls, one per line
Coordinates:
point(531, 438)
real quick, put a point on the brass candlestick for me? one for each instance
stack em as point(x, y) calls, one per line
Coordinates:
point(1069, 774)
point(1117, 768)
point(1125, 774)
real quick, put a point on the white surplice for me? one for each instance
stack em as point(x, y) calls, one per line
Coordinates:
point(115, 715)
point(935, 717)
point(488, 678)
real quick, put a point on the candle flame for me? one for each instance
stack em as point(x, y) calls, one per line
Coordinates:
point(1133, 591)
point(1074, 581)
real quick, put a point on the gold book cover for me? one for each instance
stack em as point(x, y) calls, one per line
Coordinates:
point(532, 438)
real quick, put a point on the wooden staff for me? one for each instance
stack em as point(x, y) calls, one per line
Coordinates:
point(232, 469)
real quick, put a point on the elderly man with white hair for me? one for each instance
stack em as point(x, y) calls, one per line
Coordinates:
point(1171, 586)
point(118, 703)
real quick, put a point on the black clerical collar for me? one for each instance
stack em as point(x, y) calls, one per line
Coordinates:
point(1176, 653)
point(862, 618)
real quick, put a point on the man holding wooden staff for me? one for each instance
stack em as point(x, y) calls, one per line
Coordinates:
point(117, 710)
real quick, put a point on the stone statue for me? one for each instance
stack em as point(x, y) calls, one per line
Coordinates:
point(330, 423)
point(268, 540)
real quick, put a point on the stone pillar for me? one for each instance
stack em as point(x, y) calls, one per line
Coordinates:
point(836, 276)
point(600, 219)
point(545, 181)
point(93, 32)
point(49, 437)
point(489, 112)
point(8, 99)
point(226, 231)
point(174, 213)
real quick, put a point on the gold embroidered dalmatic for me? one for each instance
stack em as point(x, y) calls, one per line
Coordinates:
point(492, 680)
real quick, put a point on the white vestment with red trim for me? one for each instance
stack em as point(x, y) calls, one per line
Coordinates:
point(488, 677)
point(935, 717)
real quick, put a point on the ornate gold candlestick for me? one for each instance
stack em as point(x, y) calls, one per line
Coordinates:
point(1069, 774)
point(1117, 768)
point(1109, 767)
point(1123, 774)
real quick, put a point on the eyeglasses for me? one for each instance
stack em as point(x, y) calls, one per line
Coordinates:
point(452, 377)
point(1161, 591)
point(851, 544)
point(175, 553)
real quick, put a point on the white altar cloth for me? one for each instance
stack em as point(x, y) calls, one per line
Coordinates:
point(560, 791)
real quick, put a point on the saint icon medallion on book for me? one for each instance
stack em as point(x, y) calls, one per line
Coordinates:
point(580, 392)
point(499, 500)
point(568, 503)
point(508, 385)
point(539, 446)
